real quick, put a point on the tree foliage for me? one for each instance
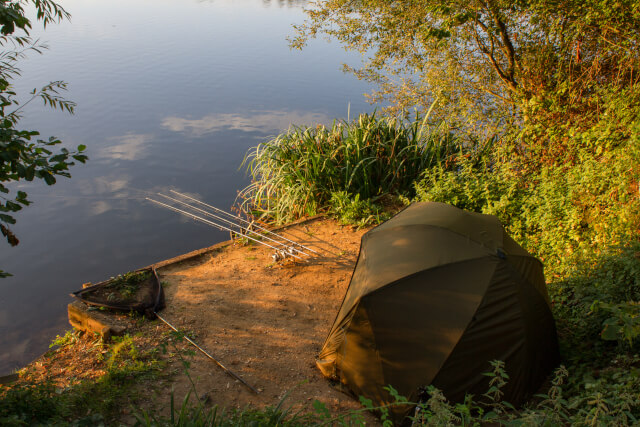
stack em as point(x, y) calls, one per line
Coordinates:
point(23, 155)
point(487, 62)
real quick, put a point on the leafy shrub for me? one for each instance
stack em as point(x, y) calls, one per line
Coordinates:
point(600, 402)
point(610, 400)
point(352, 210)
point(69, 338)
point(28, 404)
point(555, 213)
point(623, 323)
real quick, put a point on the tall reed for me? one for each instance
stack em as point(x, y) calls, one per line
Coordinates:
point(295, 173)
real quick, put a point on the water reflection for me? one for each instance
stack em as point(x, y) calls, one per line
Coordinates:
point(266, 121)
point(266, 3)
point(285, 3)
point(157, 109)
point(126, 147)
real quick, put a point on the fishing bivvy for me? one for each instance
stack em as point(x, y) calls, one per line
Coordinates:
point(436, 295)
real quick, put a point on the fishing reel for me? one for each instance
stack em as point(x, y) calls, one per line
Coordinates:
point(282, 254)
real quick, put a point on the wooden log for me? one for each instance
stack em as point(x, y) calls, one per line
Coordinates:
point(94, 321)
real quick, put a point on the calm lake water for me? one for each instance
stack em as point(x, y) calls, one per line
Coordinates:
point(171, 94)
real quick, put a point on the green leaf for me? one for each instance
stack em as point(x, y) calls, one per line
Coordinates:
point(7, 218)
point(30, 172)
point(610, 332)
point(58, 158)
point(367, 403)
point(321, 409)
point(13, 206)
point(48, 178)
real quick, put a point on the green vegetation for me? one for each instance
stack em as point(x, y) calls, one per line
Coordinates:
point(600, 405)
point(22, 158)
point(488, 63)
point(125, 286)
point(302, 170)
point(35, 401)
point(350, 210)
point(553, 408)
point(197, 415)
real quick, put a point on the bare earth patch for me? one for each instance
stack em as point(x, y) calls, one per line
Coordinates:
point(264, 321)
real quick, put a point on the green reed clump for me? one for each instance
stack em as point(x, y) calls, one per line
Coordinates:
point(297, 172)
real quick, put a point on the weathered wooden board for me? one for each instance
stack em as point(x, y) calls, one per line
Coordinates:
point(85, 319)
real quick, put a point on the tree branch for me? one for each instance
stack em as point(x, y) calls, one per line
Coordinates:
point(490, 53)
point(508, 48)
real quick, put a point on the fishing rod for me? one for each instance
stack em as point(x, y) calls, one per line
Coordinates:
point(279, 253)
point(243, 229)
point(203, 351)
point(239, 218)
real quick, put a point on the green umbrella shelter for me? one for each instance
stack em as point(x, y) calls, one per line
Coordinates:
point(437, 293)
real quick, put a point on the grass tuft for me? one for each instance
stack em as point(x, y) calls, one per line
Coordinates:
point(298, 172)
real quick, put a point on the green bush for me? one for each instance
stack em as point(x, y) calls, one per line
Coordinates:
point(572, 198)
point(556, 213)
point(611, 400)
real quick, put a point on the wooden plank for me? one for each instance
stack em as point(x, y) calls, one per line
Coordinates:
point(94, 321)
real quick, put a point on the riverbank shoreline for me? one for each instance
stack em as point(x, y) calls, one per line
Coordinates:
point(264, 321)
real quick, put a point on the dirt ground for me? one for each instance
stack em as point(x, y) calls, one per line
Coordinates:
point(264, 320)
